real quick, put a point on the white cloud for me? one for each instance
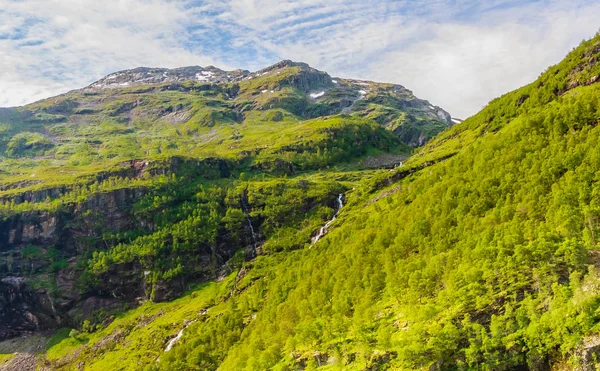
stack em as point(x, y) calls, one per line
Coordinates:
point(76, 42)
point(458, 54)
point(463, 67)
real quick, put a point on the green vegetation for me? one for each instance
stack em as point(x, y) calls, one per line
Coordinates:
point(479, 252)
point(83, 130)
point(27, 144)
point(5, 358)
point(140, 335)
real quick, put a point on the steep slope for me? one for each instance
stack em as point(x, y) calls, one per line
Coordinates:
point(479, 252)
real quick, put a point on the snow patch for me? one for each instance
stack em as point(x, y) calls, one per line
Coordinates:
point(363, 83)
point(456, 121)
point(334, 81)
point(362, 92)
point(317, 95)
point(264, 91)
point(200, 77)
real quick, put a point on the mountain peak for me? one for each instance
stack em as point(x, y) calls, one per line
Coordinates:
point(302, 90)
point(150, 75)
point(208, 74)
point(286, 63)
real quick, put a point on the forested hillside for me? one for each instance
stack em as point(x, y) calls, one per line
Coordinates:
point(151, 181)
point(479, 251)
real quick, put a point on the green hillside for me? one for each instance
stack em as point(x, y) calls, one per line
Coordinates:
point(479, 251)
point(151, 181)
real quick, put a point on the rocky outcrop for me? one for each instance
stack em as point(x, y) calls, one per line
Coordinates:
point(39, 273)
point(276, 166)
point(308, 78)
point(32, 227)
point(34, 196)
point(40, 285)
point(145, 75)
point(402, 173)
point(21, 309)
point(62, 228)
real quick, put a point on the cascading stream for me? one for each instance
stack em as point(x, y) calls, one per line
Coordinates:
point(251, 230)
point(246, 210)
point(324, 229)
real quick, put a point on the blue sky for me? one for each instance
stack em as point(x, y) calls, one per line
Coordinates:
point(459, 54)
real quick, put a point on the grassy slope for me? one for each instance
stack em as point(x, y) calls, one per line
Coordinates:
point(140, 335)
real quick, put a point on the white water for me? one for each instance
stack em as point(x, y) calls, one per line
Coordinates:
point(174, 341)
point(323, 230)
point(252, 230)
point(246, 211)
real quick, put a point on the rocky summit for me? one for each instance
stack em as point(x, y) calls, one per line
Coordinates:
point(391, 105)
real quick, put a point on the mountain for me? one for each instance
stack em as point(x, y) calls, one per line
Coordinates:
point(147, 181)
point(174, 108)
point(294, 241)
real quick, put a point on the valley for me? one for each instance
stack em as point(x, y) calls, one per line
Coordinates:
point(202, 219)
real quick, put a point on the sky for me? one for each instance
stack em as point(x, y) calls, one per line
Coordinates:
point(458, 54)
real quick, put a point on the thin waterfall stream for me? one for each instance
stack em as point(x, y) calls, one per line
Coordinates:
point(339, 203)
point(246, 210)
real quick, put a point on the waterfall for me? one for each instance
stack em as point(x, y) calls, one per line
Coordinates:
point(246, 210)
point(176, 339)
point(52, 306)
point(339, 203)
point(251, 229)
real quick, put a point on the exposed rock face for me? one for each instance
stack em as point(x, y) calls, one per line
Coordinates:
point(33, 298)
point(21, 310)
point(35, 196)
point(39, 251)
point(308, 78)
point(32, 227)
point(145, 75)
